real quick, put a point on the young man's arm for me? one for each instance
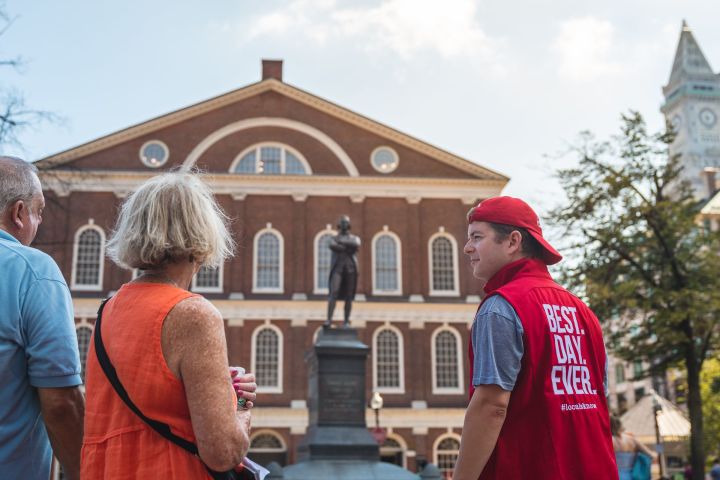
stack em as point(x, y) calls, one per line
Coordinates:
point(63, 410)
point(497, 341)
point(484, 418)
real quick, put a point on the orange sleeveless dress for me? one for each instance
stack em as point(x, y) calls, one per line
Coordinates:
point(117, 444)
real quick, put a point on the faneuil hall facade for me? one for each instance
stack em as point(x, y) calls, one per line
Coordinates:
point(285, 165)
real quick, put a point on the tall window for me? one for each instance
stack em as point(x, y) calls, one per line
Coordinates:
point(84, 334)
point(388, 361)
point(270, 159)
point(88, 252)
point(208, 279)
point(446, 454)
point(268, 261)
point(619, 373)
point(447, 363)
point(322, 260)
point(387, 275)
point(392, 451)
point(267, 359)
point(443, 265)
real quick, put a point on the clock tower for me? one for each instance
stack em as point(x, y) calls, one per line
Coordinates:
point(692, 106)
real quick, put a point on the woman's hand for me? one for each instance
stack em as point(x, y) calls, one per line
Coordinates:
point(244, 385)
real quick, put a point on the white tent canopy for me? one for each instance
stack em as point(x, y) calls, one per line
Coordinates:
point(639, 420)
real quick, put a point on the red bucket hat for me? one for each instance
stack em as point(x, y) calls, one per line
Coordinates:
point(513, 211)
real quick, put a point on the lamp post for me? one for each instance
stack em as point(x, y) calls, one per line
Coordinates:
point(376, 403)
point(657, 408)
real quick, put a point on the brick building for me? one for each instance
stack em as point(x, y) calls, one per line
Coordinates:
point(285, 164)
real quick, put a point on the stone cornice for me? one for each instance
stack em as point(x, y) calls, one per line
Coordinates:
point(63, 182)
point(363, 312)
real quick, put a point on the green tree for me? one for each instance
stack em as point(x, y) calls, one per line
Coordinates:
point(710, 391)
point(645, 265)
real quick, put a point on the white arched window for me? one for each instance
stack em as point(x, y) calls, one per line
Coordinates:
point(388, 361)
point(268, 446)
point(268, 260)
point(443, 261)
point(322, 259)
point(387, 265)
point(394, 450)
point(208, 280)
point(446, 361)
point(88, 258)
point(84, 335)
point(267, 358)
point(270, 159)
point(445, 453)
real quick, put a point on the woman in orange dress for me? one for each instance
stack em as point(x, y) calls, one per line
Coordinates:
point(167, 345)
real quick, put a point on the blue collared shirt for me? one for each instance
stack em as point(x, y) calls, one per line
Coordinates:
point(38, 348)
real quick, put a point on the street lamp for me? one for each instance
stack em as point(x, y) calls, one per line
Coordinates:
point(376, 403)
point(657, 408)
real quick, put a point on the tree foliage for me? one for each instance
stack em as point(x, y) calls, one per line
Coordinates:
point(645, 264)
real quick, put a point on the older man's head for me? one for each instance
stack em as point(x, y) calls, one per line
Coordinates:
point(21, 199)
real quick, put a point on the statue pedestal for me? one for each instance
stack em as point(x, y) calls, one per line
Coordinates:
point(338, 444)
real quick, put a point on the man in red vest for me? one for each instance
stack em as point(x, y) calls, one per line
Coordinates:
point(537, 407)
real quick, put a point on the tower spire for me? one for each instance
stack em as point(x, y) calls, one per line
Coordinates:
point(689, 59)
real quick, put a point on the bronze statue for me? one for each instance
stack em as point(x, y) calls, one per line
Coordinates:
point(343, 269)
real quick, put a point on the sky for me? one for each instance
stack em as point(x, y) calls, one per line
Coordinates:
point(505, 84)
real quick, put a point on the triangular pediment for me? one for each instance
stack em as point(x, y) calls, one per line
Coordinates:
point(293, 93)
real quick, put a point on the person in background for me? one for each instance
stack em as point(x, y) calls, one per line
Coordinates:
point(167, 344)
point(715, 469)
point(41, 404)
point(626, 448)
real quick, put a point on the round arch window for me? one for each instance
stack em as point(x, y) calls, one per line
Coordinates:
point(384, 159)
point(154, 154)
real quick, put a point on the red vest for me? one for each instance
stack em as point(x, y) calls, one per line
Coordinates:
point(557, 425)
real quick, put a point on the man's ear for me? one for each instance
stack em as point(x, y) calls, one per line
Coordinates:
point(515, 244)
point(18, 211)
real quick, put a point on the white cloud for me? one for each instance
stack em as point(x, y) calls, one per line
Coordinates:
point(405, 27)
point(585, 49)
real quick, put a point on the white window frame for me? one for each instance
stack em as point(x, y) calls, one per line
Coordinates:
point(456, 277)
point(218, 289)
point(83, 323)
point(375, 289)
point(437, 441)
point(401, 360)
point(316, 256)
point(281, 259)
point(73, 276)
point(394, 153)
point(267, 431)
point(164, 147)
point(403, 446)
point(282, 146)
point(279, 387)
point(433, 356)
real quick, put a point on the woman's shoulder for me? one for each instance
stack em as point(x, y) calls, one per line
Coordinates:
point(194, 311)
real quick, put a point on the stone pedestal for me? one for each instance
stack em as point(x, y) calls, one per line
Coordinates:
point(338, 444)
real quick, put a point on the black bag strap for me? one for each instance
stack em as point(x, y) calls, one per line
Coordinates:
point(160, 427)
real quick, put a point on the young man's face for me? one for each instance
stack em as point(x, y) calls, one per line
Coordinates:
point(487, 255)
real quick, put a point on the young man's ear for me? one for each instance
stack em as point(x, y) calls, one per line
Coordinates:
point(516, 240)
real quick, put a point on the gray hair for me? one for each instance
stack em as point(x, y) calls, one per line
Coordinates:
point(18, 181)
point(171, 217)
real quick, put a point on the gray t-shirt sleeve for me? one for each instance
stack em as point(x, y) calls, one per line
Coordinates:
point(497, 338)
